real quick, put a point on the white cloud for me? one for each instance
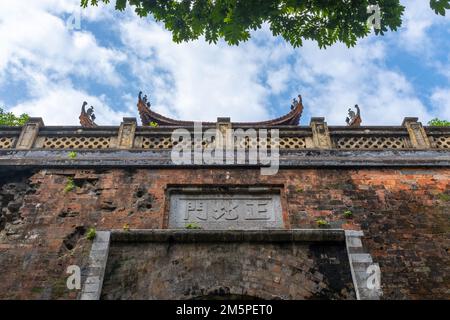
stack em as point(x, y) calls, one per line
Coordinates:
point(31, 34)
point(240, 79)
point(201, 81)
point(61, 106)
point(418, 19)
point(441, 102)
point(40, 51)
point(339, 78)
point(278, 79)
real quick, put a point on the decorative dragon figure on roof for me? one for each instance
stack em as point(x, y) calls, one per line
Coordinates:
point(144, 99)
point(296, 103)
point(354, 119)
point(87, 117)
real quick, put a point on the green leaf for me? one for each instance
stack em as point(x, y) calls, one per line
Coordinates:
point(9, 119)
point(439, 123)
point(323, 21)
point(121, 5)
point(439, 6)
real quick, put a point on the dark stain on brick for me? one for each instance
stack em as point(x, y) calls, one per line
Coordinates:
point(68, 213)
point(13, 189)
point(145, 200)
point(108, 205)
point(332, 262)
point(71, 239)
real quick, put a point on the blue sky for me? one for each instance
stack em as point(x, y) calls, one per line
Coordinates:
point(48, 70)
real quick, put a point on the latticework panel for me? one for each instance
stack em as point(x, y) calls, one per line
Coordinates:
point(292, 143)
point(6, 143)
point(442, 142)
point(166, 143)
point(76, 142)
point(157, 143)
point(370, 143)
point(282, 143)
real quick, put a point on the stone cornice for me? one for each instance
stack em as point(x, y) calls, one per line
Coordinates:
point(315, 158)
point(317, 145)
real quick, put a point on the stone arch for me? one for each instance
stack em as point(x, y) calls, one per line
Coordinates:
point(244, 270)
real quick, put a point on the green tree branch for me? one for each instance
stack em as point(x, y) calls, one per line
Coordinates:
point(323, 21)
point(9, 119)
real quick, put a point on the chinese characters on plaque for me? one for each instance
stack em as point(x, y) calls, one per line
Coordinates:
point(226, 212)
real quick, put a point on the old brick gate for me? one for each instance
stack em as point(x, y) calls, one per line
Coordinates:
point(343, 199)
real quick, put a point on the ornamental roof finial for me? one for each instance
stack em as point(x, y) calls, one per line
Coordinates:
point(295, 102)
point(354, 119)
point(87, 117)
point(144, 99)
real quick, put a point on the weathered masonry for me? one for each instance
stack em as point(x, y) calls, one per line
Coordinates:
point(345, 201)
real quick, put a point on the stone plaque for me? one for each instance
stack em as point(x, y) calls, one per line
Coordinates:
point(226, 212)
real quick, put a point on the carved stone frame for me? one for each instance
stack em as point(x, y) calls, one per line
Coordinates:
point(223, 188)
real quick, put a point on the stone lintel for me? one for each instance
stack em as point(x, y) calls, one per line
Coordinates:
point(129, 120)
point(223, 120)
point(194, 236)
point(407, 120)
point(317, 120)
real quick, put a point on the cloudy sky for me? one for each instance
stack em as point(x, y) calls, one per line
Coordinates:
point(48, 69)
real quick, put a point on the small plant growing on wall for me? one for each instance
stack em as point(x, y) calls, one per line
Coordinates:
point(72, 155)
point(126, 227)
point(70, 185)
point(91, 234)
point(193, 226)
point(444, 197)
point(322, 223)
point(348, 214)
point(153, 124)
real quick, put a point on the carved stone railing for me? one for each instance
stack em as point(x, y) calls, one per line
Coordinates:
point(9, 136)
point(370, 138)
point(411, 135)
point(290, 137)
point(76, 138)
point(439, 137)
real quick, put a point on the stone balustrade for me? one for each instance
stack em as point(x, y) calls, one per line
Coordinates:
point(411, 135)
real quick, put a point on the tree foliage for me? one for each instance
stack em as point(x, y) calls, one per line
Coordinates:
point(439, 123)
point(324, 21)
point(10, 119)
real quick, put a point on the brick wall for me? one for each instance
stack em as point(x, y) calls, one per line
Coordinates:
point(404, 214)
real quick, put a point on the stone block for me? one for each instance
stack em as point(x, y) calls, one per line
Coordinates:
point(226, 212)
